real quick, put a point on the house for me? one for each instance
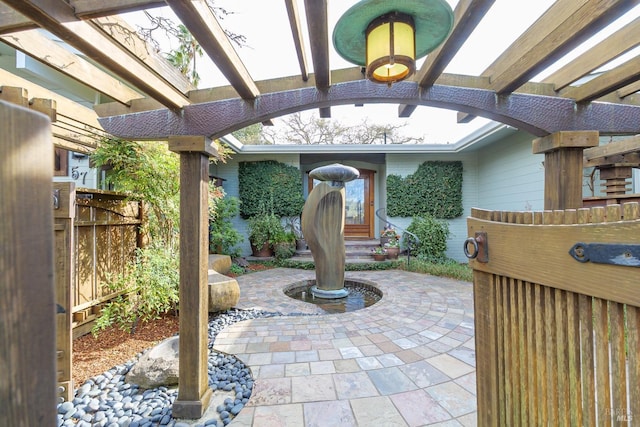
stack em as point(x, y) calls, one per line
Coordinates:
point(499, 173)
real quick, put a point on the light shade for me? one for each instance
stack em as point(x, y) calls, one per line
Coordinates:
point(391, 48)
point(362, 37)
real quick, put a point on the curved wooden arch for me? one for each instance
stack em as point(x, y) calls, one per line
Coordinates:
point(536, 114)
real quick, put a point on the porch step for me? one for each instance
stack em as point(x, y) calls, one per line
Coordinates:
point(354, 250)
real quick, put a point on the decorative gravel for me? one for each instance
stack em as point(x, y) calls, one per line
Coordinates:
point(106, 400)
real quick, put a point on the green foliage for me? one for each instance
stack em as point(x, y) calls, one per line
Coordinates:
point(150, 289)
point(434, 189)
point(432, 234)
point(448, 268)
point(236, 270)
point(264, 228)
point(284, 245)
point(272, 184)
point(360, 266)
point(151, 171)
point(223, 237)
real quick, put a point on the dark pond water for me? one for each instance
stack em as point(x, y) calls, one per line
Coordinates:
point(361, 295)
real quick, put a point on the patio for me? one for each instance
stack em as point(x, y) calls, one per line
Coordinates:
point(408, 360)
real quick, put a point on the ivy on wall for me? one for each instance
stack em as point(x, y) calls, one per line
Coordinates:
point(435, 188)
point(272, 185)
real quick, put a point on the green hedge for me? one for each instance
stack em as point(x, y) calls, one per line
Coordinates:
point(270, 184)
point(434, 189)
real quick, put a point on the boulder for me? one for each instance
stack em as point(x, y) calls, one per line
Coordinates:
point(220, 263)
point(157, 367)
point(224, 292)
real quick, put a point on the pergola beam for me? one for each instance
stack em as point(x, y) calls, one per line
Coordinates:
point(298, 39)
point(608, 82)
point(36, 45)
point(96, 8)
point(204, 26)
point(610, 48)
point(467, 15)
point(58, 18)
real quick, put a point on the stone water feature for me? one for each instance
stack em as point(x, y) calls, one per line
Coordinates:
point(323, 219)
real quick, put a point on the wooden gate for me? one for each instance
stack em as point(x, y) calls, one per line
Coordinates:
point(557, 316)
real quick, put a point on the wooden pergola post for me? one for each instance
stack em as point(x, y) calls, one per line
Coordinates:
point(194, 393)
point(27, 301)
point(563, 164)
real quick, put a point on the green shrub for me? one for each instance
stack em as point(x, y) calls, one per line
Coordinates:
point(432, 234)
point(272, 184)
point(434, 189)
point(150, 289)
point(223, 237)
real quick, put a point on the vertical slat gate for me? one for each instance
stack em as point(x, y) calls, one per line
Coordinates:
point(557, 340)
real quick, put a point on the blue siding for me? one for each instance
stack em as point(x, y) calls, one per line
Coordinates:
point(510, 176)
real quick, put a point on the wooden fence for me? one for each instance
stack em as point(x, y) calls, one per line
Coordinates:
point(557, 323)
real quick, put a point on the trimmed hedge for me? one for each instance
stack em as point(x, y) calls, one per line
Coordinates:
point(272, 185)
point(434, 189)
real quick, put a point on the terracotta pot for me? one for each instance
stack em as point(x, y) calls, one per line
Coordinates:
point(263, 252)
point(379, 257)
point(392, 253)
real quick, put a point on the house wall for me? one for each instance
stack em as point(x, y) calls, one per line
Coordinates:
point(229, 172)
point(510, 176)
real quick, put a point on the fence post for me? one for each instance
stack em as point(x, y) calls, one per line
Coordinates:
point(64, 213)
point(563, 164)
point(27, 305)
point(194, 393)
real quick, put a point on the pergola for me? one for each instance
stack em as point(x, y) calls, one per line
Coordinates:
point(149, 99)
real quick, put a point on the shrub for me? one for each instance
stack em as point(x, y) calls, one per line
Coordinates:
point(432, 234)
point(149, 290)
point(223, 237)
point(269, 183)
point(434, 189)
point(264, 228)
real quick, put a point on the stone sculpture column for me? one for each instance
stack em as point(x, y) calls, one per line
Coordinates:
point(323, 219)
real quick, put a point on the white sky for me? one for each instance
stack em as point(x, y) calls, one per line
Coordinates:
point(270, 53)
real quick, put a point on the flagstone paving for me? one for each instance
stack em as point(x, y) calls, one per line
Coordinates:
point(408, 360)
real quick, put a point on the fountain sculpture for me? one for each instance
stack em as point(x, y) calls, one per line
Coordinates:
point(323, 219)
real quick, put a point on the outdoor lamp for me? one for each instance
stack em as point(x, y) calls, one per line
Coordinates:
point(387, 36)
point(391, 48)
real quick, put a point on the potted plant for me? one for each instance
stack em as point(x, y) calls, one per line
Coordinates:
point(294, 226)
point(262, 232)
point(393, 248)
point(379, 253)
point(387, 234)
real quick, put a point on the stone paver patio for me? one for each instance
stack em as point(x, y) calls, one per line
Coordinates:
point(408, 360)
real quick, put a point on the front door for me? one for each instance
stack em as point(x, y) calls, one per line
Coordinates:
point(359, 205)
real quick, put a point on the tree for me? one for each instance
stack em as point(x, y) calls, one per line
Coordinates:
point(312, 130)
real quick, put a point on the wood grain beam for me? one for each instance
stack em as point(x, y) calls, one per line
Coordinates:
point(562, 27)
point(628, 90)
point(467, 15)
point(58, 18)
point(96, 8)
point(119, 30)
point(608, 82)
point(624, 146)
point(65, 106)
point(204, 26)
point(565, 25)
point(36, 45)
point(316, 11)
point(11, 20)
point(610, 48)
point(298, 39)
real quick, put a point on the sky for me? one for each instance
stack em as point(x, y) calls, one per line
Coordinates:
point(270, 53)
